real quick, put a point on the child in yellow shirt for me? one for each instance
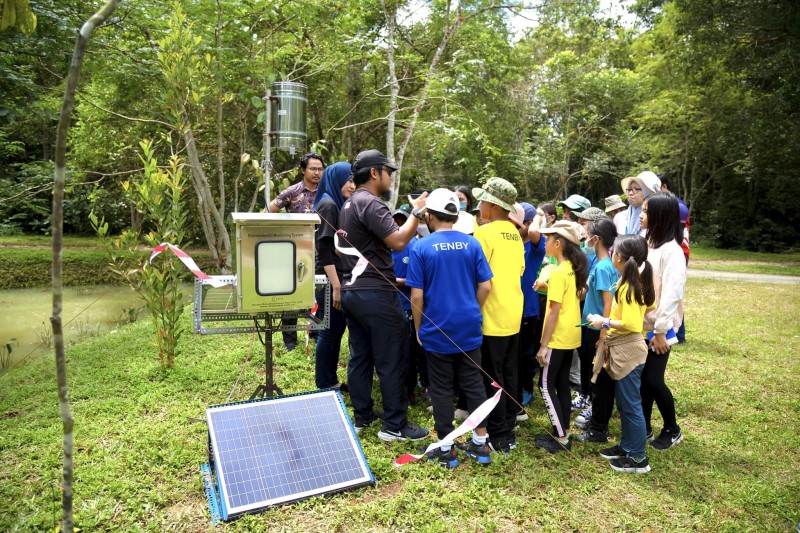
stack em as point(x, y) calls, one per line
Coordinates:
point(559, 334)
point(623, 351)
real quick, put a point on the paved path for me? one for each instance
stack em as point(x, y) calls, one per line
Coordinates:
point(743, 276)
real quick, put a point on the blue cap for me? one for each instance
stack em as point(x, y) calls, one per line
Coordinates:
point(530, 211)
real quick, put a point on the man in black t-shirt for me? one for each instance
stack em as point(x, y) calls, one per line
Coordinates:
point(370, 299)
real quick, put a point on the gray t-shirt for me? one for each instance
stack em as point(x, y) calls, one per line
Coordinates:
point(366, 221)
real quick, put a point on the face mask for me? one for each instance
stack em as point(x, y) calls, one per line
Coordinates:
point(462, 205)
point(544, 223)
point(423, 230)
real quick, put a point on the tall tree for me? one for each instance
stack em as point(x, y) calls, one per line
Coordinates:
point(58, 226)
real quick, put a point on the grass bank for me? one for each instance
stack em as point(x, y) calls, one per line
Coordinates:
point(25, 262)
point(706, 258)
point(139, 446)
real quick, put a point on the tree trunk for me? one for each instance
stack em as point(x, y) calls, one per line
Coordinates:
point(220, 143)
point(59, 178)
point(211, 219)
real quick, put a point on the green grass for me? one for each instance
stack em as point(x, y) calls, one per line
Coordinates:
point(46, 240)
point(26, 262)
point(138, 449)
point(705, 258)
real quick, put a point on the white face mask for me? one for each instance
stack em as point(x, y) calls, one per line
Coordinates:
point(423, 230)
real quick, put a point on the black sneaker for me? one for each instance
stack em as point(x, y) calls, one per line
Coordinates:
point(500, 445)
point(479, 452)
point(667, 439)
point(409, 432)
point(615, 452)
point(554, 446)
point(448, 459)
point(628, 464)
point(363, 423)
point(544, 437)
point(591, 435)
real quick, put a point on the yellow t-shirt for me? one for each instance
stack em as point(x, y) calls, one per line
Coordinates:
point(631, 315)
point(561, 289)
point(505, 253)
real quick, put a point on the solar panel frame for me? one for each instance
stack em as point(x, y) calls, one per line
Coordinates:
point(278, 450)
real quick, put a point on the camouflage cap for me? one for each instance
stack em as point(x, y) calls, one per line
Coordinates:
point(593, 213)
point(497, 191)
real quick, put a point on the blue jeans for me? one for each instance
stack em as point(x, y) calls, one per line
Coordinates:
point(329, 344)
point(629, 405)
point(378, 339)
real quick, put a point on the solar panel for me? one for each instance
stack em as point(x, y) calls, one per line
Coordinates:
point(277, 450)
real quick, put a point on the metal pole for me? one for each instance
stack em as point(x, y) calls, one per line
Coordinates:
point(267, 148)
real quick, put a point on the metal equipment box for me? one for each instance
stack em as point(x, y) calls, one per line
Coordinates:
point(275, 261)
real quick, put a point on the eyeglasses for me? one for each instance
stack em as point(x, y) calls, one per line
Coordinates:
point(631, 190)
point(388, 171)
point(314, 169)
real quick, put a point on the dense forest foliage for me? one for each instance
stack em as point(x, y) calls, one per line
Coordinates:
point(562, 97)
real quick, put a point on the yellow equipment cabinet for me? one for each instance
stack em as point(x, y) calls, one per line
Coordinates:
point(275, 261)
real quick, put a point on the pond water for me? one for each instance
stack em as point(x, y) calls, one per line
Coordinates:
point(87, 312)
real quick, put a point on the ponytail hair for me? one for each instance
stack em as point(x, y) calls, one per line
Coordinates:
point(580, 266)
point(637, 272)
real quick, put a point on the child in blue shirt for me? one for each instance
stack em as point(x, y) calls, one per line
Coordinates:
point(447, 270)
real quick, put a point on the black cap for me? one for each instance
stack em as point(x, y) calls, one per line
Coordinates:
point(372, 158)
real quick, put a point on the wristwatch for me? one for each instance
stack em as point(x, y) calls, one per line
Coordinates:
point(607, 323)
point(417, 213)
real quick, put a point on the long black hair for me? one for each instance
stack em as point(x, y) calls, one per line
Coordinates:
point(633, 251)
point(580, 265)
point(663, 219)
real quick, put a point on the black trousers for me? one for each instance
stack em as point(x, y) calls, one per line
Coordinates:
point(499, 361)
point(526, 361)
point(586, 353)
point(602, 402)
point(443, 371)
point(654, 389)
point(378, 338)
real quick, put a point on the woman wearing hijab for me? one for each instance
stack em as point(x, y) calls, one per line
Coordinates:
point(334, 189)
point(638, 189)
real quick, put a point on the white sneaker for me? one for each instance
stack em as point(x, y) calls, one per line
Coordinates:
point(585, 416)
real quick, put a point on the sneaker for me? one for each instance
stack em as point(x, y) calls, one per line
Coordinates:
point(580, 402)
point(363, 423)
point(409, 432)
point(527, 397)
point(591, 435)
point(500, 445)
point(615, 452)
point(554, 446)
point(650, 436)
point(667, 439)
point(448, 459)
point(460, 414)
point(585, 415)
point(479, 452)
point(627, 463)
point(543, 437)
point(581, 424)
point(512, 441)
point(522, 416)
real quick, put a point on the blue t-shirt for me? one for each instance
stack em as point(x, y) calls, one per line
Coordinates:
point(447, 266)
point(533, 261)
point(401, 270)
point(591, 258)
point(603, 278)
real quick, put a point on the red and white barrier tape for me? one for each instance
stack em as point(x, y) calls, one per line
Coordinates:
point(189, 262)
point(362, 262)
point(472, 421)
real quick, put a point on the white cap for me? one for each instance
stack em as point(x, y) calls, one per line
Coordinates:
point(465, 223)
point(442, 201)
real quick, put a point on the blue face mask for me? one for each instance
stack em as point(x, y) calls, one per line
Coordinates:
point(462, 205)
